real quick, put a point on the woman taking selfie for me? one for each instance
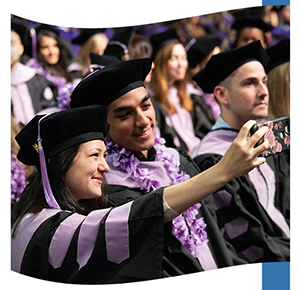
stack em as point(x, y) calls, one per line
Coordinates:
point(61, 228)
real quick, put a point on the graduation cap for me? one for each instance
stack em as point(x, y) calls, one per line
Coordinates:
point(46, 27)
point(201, 47)
point(279, 54)
point(60, 131)
point(224, 63)
point(85, 34)
point(113, 81)
point(251, 22)
point(160, 40)
point(118, 44)
point(101, 61)
point(24, 32)
point(47, 135)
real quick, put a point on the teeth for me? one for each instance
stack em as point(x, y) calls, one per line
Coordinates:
point(142, 133)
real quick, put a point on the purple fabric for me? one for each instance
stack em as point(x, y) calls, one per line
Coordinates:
point(46, 184)
point(61, 239)
point(159, 172)
point(252, 254)
point(33, 41)
point(265, 186)
point(236, 228)
point(221, 199)
point(182, 122)
point(20, 96)
point(88, 234)
point(117, 234)
point(25, 231)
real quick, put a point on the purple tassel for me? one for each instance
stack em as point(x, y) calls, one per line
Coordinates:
point(46, 184)
point(33, 41)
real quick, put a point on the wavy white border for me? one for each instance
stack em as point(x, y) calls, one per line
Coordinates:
point(94, 13)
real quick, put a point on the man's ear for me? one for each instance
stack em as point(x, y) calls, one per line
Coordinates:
point(21, 49)
point(221, 94)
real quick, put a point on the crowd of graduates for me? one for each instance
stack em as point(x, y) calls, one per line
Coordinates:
point(189, 75)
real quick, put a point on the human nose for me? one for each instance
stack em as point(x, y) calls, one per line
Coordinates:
point(263, 90)
point(141, 119)
point(103, 166)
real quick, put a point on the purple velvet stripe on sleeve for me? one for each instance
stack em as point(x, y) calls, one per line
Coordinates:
point(88, 234)
point(117, 234)
point(61, 240)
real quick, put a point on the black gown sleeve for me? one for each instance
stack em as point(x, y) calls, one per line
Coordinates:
point(243, 221)
point(99, 266)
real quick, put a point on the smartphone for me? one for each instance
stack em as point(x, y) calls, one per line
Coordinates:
point(278, 135)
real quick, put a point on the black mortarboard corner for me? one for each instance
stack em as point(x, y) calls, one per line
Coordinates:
point(108, 84)
point(47, 135)
point(251, 22)
point(279, 54)
point(201, 47)
point(85, 34)
point(101, 61)
point(160, 40)
point(224, 63)
point(118, 44)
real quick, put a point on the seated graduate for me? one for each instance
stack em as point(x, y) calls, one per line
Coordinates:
point(31, 92)
point(252, 211)
point(140, 163)
point(62, 229)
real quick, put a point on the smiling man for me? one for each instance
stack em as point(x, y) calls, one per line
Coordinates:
point(252, 211)
point(140, 163)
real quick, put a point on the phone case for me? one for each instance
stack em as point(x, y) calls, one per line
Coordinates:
point(278, 135)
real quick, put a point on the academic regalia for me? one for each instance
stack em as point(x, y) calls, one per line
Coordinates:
point(30, 93)
point(114, 81)
point(177, 259)
point(245, 210)
point(62, 246)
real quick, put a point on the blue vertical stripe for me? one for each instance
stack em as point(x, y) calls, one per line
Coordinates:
point(275, 2)
point(276, 276)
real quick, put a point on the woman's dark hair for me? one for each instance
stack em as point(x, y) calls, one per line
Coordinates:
point(59, 69)
point(32, 199)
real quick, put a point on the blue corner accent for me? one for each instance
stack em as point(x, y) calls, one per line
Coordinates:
point(275, 2)
point(276, 276)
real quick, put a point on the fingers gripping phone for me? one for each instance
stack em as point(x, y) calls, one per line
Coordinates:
point(278, 135)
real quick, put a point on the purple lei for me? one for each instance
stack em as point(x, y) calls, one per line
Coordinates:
point(18, 179)
point(186, 227)
point(64, 89)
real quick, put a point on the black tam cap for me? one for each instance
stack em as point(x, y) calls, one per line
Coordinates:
point(202, 47)
point(22, 30)
point(224, 63)
point(118, 44)
point(279, 54)
point(60, 131)
point(102, 60)
point(108, 84)
point(251, 22)
point(160, 40)
point(45, 27)
point(85, 34)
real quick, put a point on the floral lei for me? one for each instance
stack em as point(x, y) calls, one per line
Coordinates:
point(186, 227)
point(18, 179)
point(64, 89)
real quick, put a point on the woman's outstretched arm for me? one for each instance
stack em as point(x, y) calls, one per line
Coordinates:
point(240, 158)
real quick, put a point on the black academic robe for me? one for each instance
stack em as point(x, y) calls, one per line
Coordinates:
point(177, 260)
point(242, 219)
point(62, 246)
